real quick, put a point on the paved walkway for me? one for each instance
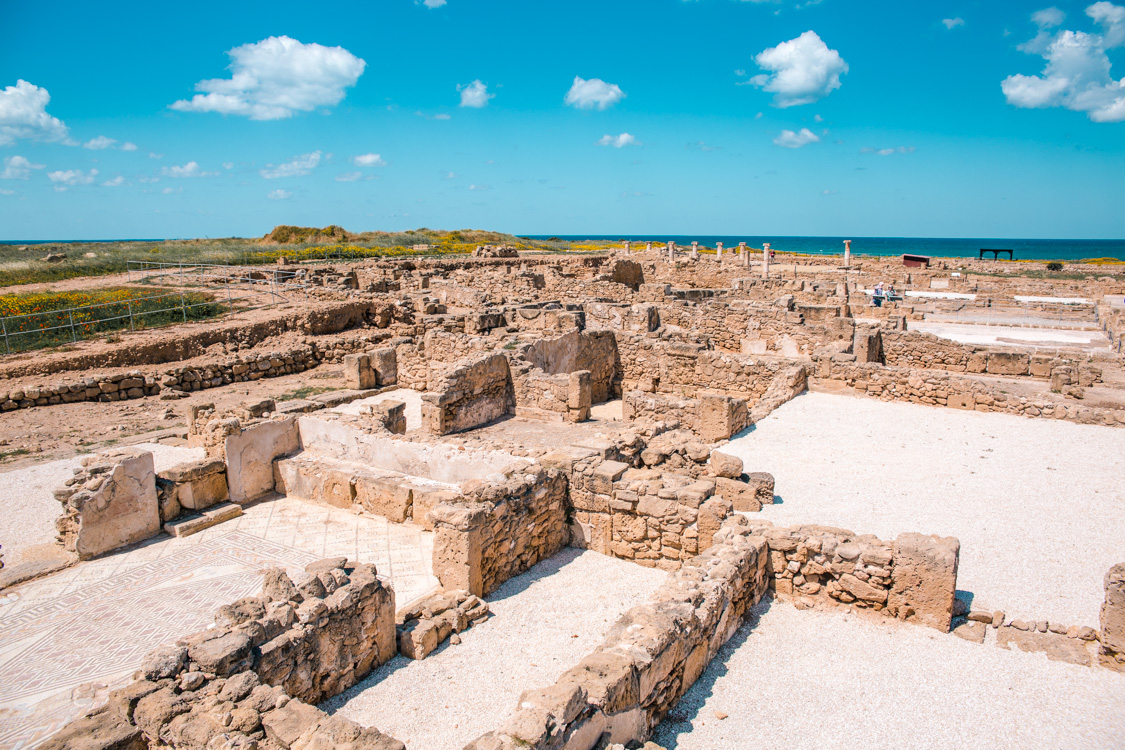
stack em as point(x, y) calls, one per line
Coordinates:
point(68, 639)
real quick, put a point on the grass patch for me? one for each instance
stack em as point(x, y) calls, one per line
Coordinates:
point(5, 455)
point(40, 319)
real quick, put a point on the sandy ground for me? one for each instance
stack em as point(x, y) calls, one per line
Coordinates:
point(1038, 505)
point(544, 622)
point(1092, 340)
point(820, 680)
point(412, 399)
point(28, 508)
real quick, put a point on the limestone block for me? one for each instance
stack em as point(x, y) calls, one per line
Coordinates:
point(250, 454)
point(711, 516)
point(358, 372)
point(459, 546)
point(424, 499)
point(746, 497)
point(725, 465)
point(124, 510)
point(924, 579)
point(197, 484)
point(384, 496)
point(391, 414)
point(1113, 619)
point(385, 363)
point(1008, 363)
point(718, 414)
point(961, 401)
point(1040, 365)
point(578, 396)
point(605, 474)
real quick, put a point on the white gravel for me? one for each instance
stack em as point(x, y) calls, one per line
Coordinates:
point(823, 680)
point(28, 508)
point(544, 622)
point(1039, 505)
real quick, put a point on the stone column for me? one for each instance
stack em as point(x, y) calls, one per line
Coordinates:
point(719, 251)
point(847, 252)
point(695, 251)
point(742, 256)
point(627, 247)
point(671, 252)
point(766, 260)
point(648, 246)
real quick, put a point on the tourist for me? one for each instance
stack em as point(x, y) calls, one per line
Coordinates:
point(877, 296)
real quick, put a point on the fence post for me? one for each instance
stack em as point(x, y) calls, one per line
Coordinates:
point(4, 322)
point(73, 333)
point(131, 326)
point(183, 304)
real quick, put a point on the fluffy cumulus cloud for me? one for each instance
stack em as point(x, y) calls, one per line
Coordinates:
point(368, 160)
point(299, 165)
point(431, 4)
point(1077, 74)
point(803, 70)
point(65, 178)
point(117, 181)
point(23, 115)
point(191, 169)
point(618, 141)
point(952, 23)
point(593, 94)
point(474, 94)
point(102, 142)
point(18, 168)
point(276, 77)
point(279, 195)
point(791, 139)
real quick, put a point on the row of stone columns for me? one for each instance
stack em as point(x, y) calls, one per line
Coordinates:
point(743, 255)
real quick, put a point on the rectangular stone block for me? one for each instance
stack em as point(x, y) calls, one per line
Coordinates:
point(924, 579)
point(384, 496)
point(1008, 363)
point(358, 372)
point(385, 363)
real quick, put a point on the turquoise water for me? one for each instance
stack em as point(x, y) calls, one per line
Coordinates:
point(944, 247)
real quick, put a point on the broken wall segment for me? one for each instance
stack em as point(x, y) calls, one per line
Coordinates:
point(649, 659)
point(1112, 635)
point(473, 392)
point(250, 453)
point(110, 502)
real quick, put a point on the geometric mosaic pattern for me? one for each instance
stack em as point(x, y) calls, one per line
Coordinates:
point(67, 640)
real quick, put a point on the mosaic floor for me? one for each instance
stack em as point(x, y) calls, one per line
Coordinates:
point(67, 640)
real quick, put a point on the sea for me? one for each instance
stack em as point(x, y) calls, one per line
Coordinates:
point(942, 247)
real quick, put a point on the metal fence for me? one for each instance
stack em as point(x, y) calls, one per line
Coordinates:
point(232, 287)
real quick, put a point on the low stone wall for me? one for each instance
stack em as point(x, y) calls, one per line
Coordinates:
point(434, 619)
point(913, 578)
point(563, 397)
point(119, 387)
point(943, 389)
point(712, 416)
point(649, 659)
point(927, 351)
point(473, 392)
point(500, 530)
point(251, 679)
point(110, 502)
point(1112, 635)
point(591, 351)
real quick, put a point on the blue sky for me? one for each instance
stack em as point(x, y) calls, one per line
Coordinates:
point(990, 119)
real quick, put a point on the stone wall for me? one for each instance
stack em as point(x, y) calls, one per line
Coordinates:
point(110, 502)
point(500, 530)
point(593, 351)
point(939, 388)
point(249, 454)
point(649, 659)
point(564, 397)
point(1112, 635)
point(118, 387)
point(250, 681)
point(192, 486)
point(913, 578)
point(472, 392)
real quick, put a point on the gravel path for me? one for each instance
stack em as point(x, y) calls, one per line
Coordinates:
point(28, 508)
point(823, 680)
point(544, 622)
point(1039, 505)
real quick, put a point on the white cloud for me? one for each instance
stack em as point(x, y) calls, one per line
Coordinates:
point(349, 177)
point(170, 190)
point(127, 146)
point(952, 23)
point(273, 78)
point(790, 139)
point(368, 160)
point(300, 165)
point(99, 143)
point(71, 177)
point(191, 169)
point(431, 4)
point(1077, 75)
point(594, 93)
point(117, 181)
point(888, 151)
point(451, 176)
point(618, 141)
point(804, 70)
point(228, 165)
point(279, 195)
point(480, 187)
point(7, 192)
point(154, 155)
point(1048, 18)
point(18, 168)
point(474, 94)
point(23, 115)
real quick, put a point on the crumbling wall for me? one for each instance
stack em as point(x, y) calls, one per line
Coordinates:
point(474, 391)
point(913, 578)
point(594, 351)
point(649, 659)
point(249, 454)
point(110, 502)
point(1112, 635)
point(564, 397)
point(500, 531)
